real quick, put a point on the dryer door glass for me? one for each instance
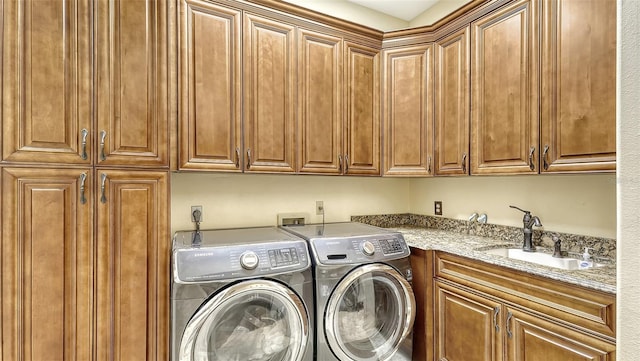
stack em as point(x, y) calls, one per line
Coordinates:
point(369, 314)
point(255, 320)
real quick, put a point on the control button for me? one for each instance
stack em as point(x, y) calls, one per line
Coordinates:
point(249, 260)
point(368, 248)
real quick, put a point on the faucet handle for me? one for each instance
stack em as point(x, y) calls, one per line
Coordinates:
point(520, 209)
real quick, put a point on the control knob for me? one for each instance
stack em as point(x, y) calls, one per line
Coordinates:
point(249, 260)
point(368, 248)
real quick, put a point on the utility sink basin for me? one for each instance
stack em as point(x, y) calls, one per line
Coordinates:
point(544, 259)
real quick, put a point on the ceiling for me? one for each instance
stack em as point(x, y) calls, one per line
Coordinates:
point(402, 9)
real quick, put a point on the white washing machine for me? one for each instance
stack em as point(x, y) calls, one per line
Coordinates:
point(241, 295)
point(365, 306)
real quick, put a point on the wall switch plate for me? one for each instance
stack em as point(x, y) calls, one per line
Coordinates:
point(437, 208)
point(319, 207)
point(196, 211)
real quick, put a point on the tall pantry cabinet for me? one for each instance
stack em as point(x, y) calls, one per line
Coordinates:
point(84, 177)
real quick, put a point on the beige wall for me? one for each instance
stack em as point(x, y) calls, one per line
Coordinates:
point(580, 204)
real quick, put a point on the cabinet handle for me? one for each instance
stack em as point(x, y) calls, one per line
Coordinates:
point(103, 197)
point(544, 158)
point(237, 157)
point(531, 165)
point(103, 136)
point(509, 317)
point(464, 163)
point(340, 163)
point(84, 132)
point(429, 165)
point(496, 311)
point(83, 178)
point(248, 158)
point(346, 163)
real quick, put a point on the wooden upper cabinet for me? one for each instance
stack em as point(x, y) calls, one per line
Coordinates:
point(362, 87)
point(132, 83)
point(47, 259)
point(209, 113)
point(504, 90)
point(46, 82)
point(578, 105)
point(320, 113)
point(132, 290)
point(269, 95)
point(451, 108)
point(408, 122)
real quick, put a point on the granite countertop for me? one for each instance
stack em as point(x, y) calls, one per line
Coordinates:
point(471, 246)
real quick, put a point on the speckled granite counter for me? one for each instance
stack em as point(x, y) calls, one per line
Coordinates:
point(471, 246)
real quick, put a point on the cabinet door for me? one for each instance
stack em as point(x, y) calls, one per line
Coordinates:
point(269, 95)
point(362, 79)
point(452, 104)
point(578, 108)
point(532, 338)
point(132, 104)
point(47, 260)
point(504, 90)
point(132, 266)
point(408, 124)
point(210, 86)
point(46, 59)
point(467, 326)
point(320, 102)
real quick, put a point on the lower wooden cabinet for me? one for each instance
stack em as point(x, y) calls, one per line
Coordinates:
point(84, 273)
point(485, 312)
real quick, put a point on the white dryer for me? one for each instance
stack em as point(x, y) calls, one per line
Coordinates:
point(241, 295)
point(365, 306)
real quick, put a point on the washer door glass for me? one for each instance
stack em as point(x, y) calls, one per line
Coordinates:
point(369, 314)
point(255, 320)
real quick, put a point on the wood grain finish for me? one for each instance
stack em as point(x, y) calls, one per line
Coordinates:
point(47, 259)
point(452, 112)
point(578, 108)
point(46, 81)
point(320, 110)
point(132, 83)
point(362, 79)
point(132, 257)
point(422, 284)
point(504, 95)
point(408, 122)
point(269, 95)
point(465, 326)
point(210, 83)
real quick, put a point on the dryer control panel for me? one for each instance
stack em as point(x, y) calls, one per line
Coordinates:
point(239, 261)
point(359, 249)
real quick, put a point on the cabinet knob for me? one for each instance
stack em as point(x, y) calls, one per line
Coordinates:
point(84, 133)
point(83, 178)
point(103, 197)
point(531, 165)
point(103, 137)
point(545, 163)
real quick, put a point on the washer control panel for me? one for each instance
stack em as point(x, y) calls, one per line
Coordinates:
point(360, 249)
point(239, 261)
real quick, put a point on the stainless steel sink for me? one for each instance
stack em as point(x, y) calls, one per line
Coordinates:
point(544, 259)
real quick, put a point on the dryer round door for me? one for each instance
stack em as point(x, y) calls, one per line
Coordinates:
point(257, 320)
point(369, 314)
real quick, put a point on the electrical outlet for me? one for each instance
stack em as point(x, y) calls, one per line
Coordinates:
point(196, 211)
point(437, 208)
point(319, 207)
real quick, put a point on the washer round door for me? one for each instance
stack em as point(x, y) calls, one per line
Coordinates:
point(256, 320)
point(369, 314)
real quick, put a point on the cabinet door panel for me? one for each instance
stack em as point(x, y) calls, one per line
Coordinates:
point(320, 102)
point(362, 78)
point(47, 248)
point(408, 125)
point(467, 326)
point(46, 81)
point(210, 82)
point(132, 85)
point(504, 98)
point(132, 266)
point(536, 339)
point(269, 99)
point(578, 109)
point(452, 104)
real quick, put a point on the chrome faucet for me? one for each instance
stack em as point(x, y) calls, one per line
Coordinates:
point(528, 222)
